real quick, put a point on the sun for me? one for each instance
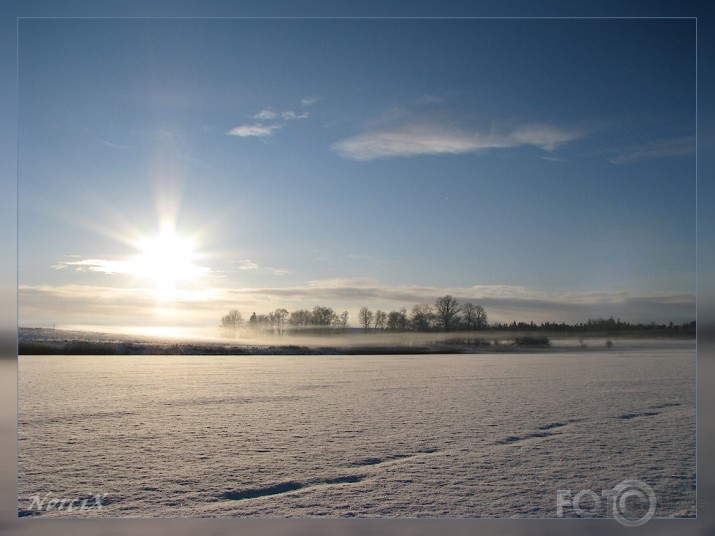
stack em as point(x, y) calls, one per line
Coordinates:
point(167, 260)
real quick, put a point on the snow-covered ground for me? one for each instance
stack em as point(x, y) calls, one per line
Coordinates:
point(493, 435)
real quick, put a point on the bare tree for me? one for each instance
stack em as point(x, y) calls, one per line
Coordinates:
point(365, 318)
point(470, 315)
point(261, 323)
point(422, 317)
point(300, 318)
point(397, 320)
point(481, 316)
point(380, 319)
point(342, 320)
point(448, 310)
point(474, 317)
point(280, 317)
point(232, 322)
point(322, 316)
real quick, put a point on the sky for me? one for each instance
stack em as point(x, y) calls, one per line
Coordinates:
point(172, 169)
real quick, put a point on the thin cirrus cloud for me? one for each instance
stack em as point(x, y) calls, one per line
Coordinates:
point(96, 265)
point(257, 130)
point(277, 118)
point(434, 139)
point(120, 267)
point(288, 115)
point(309, 101)
point(248, 265)
point(656, 150)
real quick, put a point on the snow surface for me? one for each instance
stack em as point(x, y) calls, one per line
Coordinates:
point(482, 435)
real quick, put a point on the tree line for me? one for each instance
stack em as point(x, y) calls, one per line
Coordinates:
point(320, 319)
point(599, 325)
point(445, 314)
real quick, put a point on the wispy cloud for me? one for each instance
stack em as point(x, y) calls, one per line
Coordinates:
point(79, 304)
point(137, 267)
point(546, 137)
point(97, 306)
point(417, 138)
point(655, 150)
point(266, 114)
point(104, 141)
point(503, 302)
point(277, 120)
point(113, 145)
point(96, 265)
point(255, 130)
point(248, 265)
point(289, 115)
point(309, 101)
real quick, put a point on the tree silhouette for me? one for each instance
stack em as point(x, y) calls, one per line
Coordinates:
point(342, 320)
point(300, 318)
point(481, 317)
point(470, 315)
point(448, 310)
point(474, 316)
point(365, 318)
point(422, 317)
point(322, 316)
point(397, 320)
point(232, 322)
point(380, 319)
point(280, 317)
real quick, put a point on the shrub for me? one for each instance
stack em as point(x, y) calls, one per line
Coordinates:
point(532, 342)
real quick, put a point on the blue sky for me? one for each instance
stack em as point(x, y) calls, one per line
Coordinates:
point(542, 168)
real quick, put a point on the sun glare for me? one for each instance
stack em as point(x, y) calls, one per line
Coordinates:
point(166, 260)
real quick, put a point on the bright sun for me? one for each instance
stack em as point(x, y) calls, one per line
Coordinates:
point(166, 260)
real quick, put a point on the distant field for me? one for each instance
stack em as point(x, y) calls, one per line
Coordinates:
point(43, 341)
